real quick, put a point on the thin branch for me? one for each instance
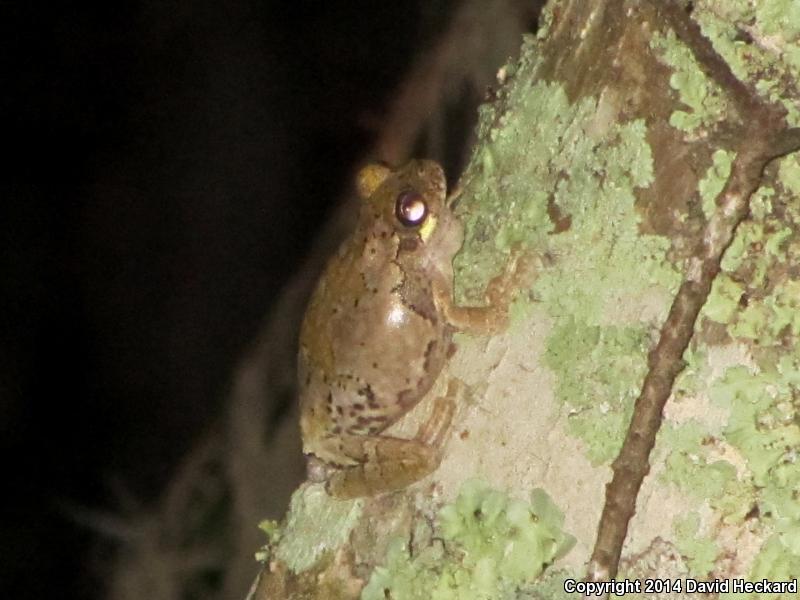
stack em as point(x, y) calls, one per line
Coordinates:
point(763, 137)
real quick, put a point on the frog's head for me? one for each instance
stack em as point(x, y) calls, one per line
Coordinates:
point(412, 203)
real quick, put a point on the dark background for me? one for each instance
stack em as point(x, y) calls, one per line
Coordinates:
point(168, 163)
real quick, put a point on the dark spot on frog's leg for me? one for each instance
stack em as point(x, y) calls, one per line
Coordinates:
point(336, 430)
point(369, 424)
point(406, 396)
point(429, 350)
point(340, 410)
point(366, 391)
point(358, 406)
point(355, 303)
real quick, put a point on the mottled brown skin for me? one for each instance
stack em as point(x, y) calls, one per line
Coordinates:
point(377, 332)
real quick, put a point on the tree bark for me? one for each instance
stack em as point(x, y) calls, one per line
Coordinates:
point(642, 150)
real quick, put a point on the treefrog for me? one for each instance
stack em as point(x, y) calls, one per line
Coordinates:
point(377, 332)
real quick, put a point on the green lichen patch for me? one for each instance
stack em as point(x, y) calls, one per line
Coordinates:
point(316, 524)
point(765, 415)
point(723, 301)
point(509, 191)
point(699, 551)
point(603, 257)
point(762, 429)
point(702, 97)
point(760, 41)
point(757, 294)
point(693, 453)
point(548, 156)
point(599, 371)
point(548, 151)
point(491, 546)
point(779, 17)
point(272, 530)
point(789, 173)
point(770, 318)
point(404, 577)
point(716, 177)
point(696, 372)
point(750, 233)
point(775, 562)
point(690, 465)
point(764, 426)
point(551, 585)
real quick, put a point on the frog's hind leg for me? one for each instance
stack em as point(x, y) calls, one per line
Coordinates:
point(433, 431)
point(387, 463)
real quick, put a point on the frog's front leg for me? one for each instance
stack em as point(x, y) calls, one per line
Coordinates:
point(493, 317)
point(386, 463)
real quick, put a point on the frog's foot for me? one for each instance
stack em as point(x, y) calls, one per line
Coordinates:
point(519, 273)
point(386, 464)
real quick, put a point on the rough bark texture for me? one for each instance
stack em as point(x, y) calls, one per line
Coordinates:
point(638, 149)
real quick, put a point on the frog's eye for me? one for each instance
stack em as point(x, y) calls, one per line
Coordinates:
point(410, 208)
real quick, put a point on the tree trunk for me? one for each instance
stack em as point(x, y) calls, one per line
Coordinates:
point(642, 151)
